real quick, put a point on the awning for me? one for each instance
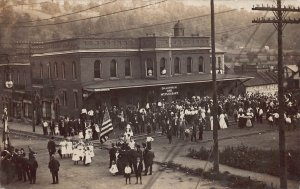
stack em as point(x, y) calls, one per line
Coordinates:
point(175, 80)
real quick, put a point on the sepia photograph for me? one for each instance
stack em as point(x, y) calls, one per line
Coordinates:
point(150, 94)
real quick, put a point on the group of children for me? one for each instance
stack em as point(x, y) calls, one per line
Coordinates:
point(77, 150)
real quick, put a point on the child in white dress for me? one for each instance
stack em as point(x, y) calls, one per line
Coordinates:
point(113, 169)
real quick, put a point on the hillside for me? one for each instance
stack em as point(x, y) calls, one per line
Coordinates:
point(232, 28)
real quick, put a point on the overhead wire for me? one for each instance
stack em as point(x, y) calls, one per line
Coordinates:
point(88, 18)
point(71, 13)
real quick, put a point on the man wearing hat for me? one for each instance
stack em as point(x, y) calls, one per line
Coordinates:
point(33, 165)
point(51, 147)
point(54, 168)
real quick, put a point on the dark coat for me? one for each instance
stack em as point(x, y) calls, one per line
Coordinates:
point(148, 157)
point(53, 165)
point(51, 147)
point(138, 169)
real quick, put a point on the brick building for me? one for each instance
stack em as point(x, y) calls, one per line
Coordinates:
point(86, 72)
point(15, 66)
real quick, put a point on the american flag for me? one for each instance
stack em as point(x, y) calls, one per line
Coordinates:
point(106, 128)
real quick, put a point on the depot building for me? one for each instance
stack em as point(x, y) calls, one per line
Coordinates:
point(68, 75)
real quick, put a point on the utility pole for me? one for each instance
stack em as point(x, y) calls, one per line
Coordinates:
point(214, 80)
point(280, 21)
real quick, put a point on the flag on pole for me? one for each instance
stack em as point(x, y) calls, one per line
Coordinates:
point(106, 128)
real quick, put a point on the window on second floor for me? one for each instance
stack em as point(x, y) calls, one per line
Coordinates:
point(55, 70)
point(75, 93)
point(65, 98)
point(177, 65)
point(41, 71)
point(18, 77)
point(49, 71)
point(97, 69)
point(201, 64)
point(74, 71)
point(163, 69)
point(113, 68)
point(127, 68)
point(149, 67)
point(63, 70)
point(189, 65)
point(25, 78)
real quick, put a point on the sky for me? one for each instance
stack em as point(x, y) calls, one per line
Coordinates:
point(245, 4)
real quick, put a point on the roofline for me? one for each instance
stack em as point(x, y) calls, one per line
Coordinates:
point(160, 84)
point(15, 64)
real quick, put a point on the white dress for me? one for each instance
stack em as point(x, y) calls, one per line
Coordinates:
point(75, 156)
point(88, 158)
point(63, 147)
point(113, 169)
point(222, 122)
point(80, 151)
point(69, 147)
point(91, 147)
point(80, 135)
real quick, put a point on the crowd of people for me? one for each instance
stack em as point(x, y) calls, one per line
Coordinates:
point(185, 119)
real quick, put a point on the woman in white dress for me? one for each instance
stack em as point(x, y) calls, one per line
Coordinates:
point(69, 147)
point(222, 121)
point(63, 148)
point(75, 156)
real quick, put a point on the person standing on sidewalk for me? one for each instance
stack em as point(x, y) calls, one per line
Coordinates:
point(148, 160)
point(33, 165)
point(54, 168)
point(51, 147)
point(45, 127)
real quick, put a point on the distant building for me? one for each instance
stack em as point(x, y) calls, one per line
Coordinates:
point(292, 76)
point(68, 75)
point(15, 66)
point(262, 82)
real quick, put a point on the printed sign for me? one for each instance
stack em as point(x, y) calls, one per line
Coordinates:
point(169, 90)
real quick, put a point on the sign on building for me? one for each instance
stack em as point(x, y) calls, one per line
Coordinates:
point(169, 90)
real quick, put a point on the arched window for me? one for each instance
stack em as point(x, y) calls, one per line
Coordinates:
point(201, 64)
point(74, 71)
point(55, 70)
point(49, 71)
point(18, 77)
point(97, 69)
point(149, 67)
point(25, 78)
point(41, 71)
point(127, 67)
point(63, 70)
point(113, 68)
point(189, 65)
point(163, 70)
point(177, 65)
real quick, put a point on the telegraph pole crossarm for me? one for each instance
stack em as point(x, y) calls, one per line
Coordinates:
point(279, 22)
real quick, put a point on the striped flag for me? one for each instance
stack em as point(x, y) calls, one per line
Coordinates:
point(106, 128)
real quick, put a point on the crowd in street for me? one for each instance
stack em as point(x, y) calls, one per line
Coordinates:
point(185, 119)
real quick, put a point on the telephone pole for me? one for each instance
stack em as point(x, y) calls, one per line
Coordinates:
point(279, 22)
point(214, 80)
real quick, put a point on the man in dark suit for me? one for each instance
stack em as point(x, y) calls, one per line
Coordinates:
point(112, 154)
point(54, 168)
point(51, 147)
point(138, 169)
point(148, 160)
